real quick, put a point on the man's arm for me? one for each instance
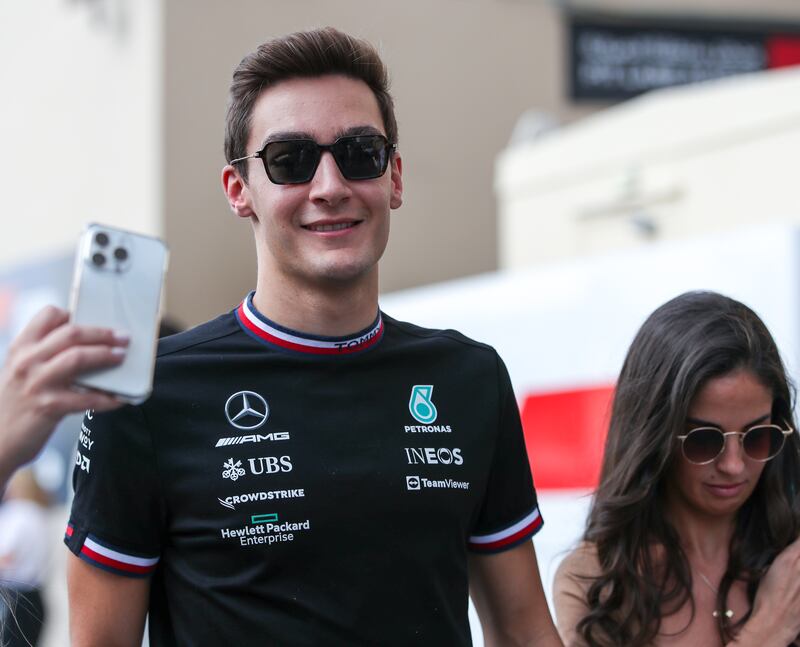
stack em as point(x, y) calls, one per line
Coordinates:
point(508, 595)
point(105, 610)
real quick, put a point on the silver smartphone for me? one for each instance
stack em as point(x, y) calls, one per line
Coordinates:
point(117, 284)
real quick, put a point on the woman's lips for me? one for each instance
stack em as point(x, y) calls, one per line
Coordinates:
point(725, 490)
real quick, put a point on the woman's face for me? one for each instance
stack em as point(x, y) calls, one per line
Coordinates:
point(735, 401)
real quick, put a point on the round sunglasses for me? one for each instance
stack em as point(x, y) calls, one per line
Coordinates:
point(294, 161)
point(760, 443)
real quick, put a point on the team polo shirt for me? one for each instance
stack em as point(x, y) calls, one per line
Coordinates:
point(285, 489)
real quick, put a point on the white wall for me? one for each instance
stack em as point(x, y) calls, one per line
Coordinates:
point(79, 121)
point(688, 161)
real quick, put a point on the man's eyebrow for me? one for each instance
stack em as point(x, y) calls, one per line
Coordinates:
point(358, 130)
point(285, 134)
point(352, 131)
point(706, 423)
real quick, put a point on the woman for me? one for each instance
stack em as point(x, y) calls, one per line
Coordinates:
point(692, 534)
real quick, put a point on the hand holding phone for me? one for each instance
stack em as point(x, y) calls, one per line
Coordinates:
point(117, 284)
point(36, 382)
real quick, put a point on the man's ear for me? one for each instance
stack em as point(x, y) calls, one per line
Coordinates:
point(396, 169)
point(237, 192)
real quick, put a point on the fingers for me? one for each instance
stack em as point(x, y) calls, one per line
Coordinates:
point(76, 401)
point(54, 404)
point(72, 362)
point(789, 555)
point(68, 336)
point(45, 321)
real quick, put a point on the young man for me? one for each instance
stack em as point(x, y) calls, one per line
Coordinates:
point(308, 470)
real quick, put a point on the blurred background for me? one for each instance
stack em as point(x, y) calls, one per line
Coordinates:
point(568, 166)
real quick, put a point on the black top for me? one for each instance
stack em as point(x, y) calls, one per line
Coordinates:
point(295, 490)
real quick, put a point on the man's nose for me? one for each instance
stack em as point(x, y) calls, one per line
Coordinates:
point(328, 183)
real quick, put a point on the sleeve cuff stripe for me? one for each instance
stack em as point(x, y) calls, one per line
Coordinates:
point(112, 569)
point(109, 553)
point(114, 558)
point(526, 526)
point(113, 564)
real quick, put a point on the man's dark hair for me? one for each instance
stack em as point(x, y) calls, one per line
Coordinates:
point(304, 54)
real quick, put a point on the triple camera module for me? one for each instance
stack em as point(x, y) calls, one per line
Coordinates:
point(109, 252)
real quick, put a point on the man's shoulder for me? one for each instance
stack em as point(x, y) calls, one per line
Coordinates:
point(209, 332)
point(446, 336)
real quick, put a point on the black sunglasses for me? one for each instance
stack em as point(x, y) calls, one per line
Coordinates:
point(760, 443)
point(294, 161)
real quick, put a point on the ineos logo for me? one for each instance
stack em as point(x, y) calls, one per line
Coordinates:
point(246, 410)
point(433, 456)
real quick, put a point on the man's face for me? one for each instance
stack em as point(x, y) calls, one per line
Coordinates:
point(329, 231)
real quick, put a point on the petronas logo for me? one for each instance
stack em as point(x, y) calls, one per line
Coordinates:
point(420, 404)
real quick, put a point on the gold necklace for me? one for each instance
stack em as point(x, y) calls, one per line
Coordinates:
point(715, 613)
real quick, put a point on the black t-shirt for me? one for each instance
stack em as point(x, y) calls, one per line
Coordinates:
point(282, 489)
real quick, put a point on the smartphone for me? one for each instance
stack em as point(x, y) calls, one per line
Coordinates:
point(117, 284)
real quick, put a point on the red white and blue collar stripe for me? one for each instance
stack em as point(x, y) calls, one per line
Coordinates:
point(504, 539)
point(111, 559)
point(258, 326)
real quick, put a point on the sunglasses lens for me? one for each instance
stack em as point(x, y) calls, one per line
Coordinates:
point(703, 445)
point(291, 162)
point(763, 442)
point(295, 161)
point(363, 157)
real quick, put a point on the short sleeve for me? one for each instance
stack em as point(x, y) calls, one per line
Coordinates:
point(117, 514)
point(510, 513)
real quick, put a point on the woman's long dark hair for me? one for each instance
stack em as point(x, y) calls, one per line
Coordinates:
point(643, 571)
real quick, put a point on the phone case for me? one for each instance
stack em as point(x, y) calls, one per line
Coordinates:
point(117, 284)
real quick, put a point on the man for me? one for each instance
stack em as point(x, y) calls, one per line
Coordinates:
point(310, 471)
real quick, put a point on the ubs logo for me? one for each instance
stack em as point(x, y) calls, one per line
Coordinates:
point(246, 410)
point(270, 464)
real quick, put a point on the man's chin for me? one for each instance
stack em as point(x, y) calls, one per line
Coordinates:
point(345, 275)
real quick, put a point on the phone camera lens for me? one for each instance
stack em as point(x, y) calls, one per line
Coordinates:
point(121, 254)
point(101, 239)
point(99, 259)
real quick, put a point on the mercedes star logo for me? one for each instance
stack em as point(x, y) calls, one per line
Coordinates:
point(246, 410)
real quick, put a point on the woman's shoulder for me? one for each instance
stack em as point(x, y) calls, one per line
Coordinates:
point(581, 564)
point(572, 580)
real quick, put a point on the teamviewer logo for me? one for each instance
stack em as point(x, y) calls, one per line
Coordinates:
point(412, 482)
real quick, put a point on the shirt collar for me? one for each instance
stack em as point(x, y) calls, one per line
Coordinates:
point(258, 326)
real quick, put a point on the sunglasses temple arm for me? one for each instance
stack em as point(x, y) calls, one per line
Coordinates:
point(242, 159)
